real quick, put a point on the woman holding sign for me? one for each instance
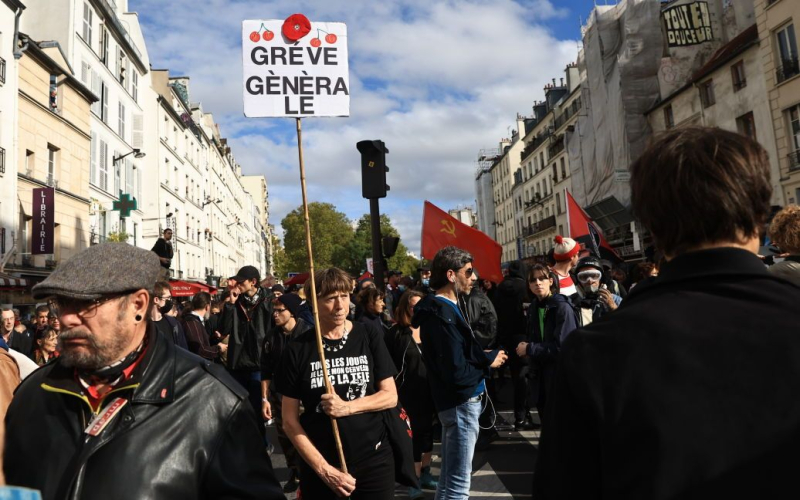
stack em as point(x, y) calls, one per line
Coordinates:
point(361, 373)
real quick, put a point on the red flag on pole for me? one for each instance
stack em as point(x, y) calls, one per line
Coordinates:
point(440, 229)
point(582, 229)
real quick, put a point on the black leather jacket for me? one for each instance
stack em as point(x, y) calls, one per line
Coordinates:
point(186, 431)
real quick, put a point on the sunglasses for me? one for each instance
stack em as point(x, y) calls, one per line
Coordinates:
point(585, 276)
point(278, 311)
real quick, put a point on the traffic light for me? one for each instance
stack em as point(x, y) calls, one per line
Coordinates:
point(373, 168)
point(389, 244)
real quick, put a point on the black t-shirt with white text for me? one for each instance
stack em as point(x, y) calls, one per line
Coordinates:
point(354, 371)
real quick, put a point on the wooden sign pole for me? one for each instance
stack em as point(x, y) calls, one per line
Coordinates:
point(313, 297)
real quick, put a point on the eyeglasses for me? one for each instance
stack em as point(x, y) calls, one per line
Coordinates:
point(83, 308)
point(278, 311)
point(585, 276)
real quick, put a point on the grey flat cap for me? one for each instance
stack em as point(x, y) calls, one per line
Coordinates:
point(101, 270)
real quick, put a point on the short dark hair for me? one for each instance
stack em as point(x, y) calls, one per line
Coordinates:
point(167, 229)
point(160, 287)
point(446, 259)
point(44, 308)
point(200, 301)
point(696, 185)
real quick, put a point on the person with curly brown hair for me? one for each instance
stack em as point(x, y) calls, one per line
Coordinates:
point(785, 233)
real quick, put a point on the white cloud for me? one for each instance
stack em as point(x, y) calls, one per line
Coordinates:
point(437, 81)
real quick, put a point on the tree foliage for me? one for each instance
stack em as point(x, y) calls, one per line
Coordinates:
point(330, 232)
point(335, 243)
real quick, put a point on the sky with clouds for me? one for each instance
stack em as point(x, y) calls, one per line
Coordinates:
point(435, 80)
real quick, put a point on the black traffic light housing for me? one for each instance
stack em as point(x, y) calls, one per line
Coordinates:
point(390, 244)
point(373, 168)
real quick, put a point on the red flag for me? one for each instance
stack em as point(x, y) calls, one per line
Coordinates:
point(581, 228)
point(440, 229)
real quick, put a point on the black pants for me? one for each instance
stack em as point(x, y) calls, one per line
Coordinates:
point(251, 381)
point(519, 377)
point(374, 478)
point(289, 451)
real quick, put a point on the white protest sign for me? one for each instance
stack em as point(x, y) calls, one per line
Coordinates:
point(304, 74)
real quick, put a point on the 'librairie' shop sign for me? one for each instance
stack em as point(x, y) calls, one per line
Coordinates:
point(688, 24)
point(43, 208)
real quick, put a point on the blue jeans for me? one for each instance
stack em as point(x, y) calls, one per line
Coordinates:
point(459, 435)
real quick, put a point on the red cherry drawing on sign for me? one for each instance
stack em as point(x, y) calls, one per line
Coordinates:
point(254, 36)
point(316, 42)
point(268, 35)
point(330, 38)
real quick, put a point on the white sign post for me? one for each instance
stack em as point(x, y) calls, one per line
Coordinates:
point(294, 79)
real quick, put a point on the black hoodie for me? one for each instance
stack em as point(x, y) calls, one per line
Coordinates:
point(508, 300)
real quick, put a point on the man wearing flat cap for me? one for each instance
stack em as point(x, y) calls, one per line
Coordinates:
point(246, 323)
point(123, 413)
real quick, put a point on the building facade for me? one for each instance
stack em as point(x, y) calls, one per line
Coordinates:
point(777, 22)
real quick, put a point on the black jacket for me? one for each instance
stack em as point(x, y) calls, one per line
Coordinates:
point(508, 299)
point(274, 345)
point(247, 324)
point(164, 250)
point(689, 390)
point(187, 431)
point(21, 342)
point(560, 319)
point(454, 358)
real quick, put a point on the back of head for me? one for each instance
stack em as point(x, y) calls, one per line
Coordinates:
point(516, 269)
point(200, 301)
point(785, 229)
point(697, 185)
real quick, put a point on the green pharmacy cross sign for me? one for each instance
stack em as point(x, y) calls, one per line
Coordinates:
point(125, 205)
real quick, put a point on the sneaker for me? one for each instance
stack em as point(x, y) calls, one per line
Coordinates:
point(427, 480)
point(292, 484)
point(415, 493)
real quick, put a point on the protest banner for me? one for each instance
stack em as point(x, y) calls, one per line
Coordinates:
point(290, 72)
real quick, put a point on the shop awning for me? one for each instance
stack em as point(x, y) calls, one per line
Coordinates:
point(181, 288)
point(7, 282)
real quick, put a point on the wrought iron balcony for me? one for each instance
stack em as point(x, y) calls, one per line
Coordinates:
point(788, 69)
point(794, 161)
point(2, 160)
point(531, 147)
point(538, 227)
point(2, 71)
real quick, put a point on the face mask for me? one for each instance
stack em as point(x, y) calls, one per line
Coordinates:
point(426, 281)
point(402, 288)
point(167, 307)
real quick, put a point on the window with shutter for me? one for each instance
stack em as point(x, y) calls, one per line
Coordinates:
point(104, 91)
point(103, 166)
point(137, 131)
point(97, 90)
point(87, 23)
point(121, 121)
point(93, 169)
point(116, 167)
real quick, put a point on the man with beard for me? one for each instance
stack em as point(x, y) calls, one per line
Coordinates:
point(246, 322)
point(102, 420)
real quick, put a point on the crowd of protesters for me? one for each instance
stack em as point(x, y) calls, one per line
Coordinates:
point(638, 376)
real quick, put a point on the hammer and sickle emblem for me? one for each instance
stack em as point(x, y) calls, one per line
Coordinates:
point(448, 228)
